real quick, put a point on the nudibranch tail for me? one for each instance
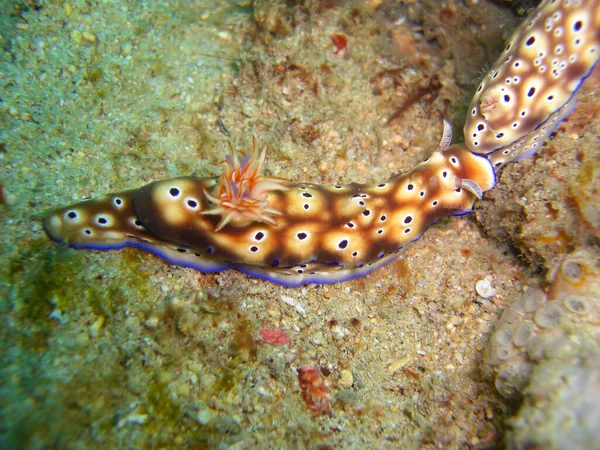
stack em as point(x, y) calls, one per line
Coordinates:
point(109, 222)
point(533, 83)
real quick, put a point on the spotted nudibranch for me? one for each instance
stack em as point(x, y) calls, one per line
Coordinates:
point(300, 233)
point(289, 233)
point(531, 88)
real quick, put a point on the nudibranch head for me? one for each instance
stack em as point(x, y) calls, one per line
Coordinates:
point(538, 73)
point(240, 196)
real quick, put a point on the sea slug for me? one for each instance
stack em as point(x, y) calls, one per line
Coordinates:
point(289, 233)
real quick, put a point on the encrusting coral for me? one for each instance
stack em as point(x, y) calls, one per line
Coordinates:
point(545, 349)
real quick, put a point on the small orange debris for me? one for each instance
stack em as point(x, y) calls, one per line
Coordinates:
point(340, 41)
point(314, 390)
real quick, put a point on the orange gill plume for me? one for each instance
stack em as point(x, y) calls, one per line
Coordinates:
point(240, 196)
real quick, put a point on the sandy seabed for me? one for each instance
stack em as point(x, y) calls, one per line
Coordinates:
point(121, 350)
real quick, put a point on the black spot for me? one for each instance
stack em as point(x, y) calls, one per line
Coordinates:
point(499, 135)
point(118, 201)
point(383, 218)
point(408, 219)
point(254, 249)
point(88, 232)
point(192, 203)
point(551, 97)
point(379, 231)
point(407, 231)
point(529, 42)
point(434, 203)
point(366, 213)
point(300, 271)
point(71, 214)
point(275, 262)
point(307, 195)
point(381, 185)
point(457, 190)
point(258, 236)
point(577, 25)
point(480, 88)
point(174, 192)
point(444, 174)
point(507, 98)
point(197, 255)
point(361, 203)
point(354, 253)
point(102, 220)
point(350, 225)
point(137, 223)
point(306, 206)
point(343, 244)
point(517, 64)
point(302, 236)
point(531, 92)
point(523, 113)
point(182, 250)
point(453, 160)
point(337, 187)
point(515, 125)
point(410, 187)
point(475, 143)
point(421, 194)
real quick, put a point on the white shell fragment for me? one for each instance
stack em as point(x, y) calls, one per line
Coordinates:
point(484, 287)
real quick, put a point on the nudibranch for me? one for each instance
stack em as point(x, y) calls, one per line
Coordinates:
point(286, 232)
point(532, 86)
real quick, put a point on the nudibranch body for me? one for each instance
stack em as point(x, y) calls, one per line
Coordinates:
point(311, 234)
point(531, 88)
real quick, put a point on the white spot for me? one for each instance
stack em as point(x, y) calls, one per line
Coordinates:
point(191, 203)
point(104, 220)
point(136, 223)
point(72, 216)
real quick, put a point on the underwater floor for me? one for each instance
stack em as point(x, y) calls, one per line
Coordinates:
point(119, 349)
